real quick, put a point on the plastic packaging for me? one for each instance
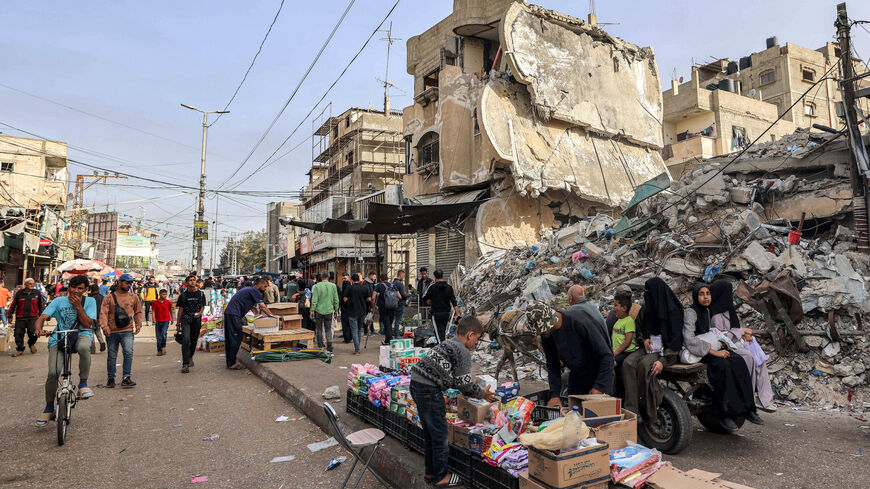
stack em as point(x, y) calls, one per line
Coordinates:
point(571, 430)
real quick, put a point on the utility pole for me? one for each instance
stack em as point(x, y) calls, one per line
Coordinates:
point(200, 212)
point(857, 152)
point(390, 40)
point(215, 235)
point(75, 229)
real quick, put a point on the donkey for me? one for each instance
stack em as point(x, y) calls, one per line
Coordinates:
point(510, 331)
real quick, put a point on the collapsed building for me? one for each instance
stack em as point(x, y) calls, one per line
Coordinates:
point(541, 116)
point(731, 218)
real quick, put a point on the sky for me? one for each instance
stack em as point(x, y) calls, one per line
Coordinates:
point(134, 63)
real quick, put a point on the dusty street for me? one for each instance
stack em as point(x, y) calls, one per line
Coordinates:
point(127, 438)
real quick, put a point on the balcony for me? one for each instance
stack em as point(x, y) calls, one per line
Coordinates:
point(700, 146)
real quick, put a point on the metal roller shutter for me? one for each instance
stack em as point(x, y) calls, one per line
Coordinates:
point(449, 250)
point(423, 250)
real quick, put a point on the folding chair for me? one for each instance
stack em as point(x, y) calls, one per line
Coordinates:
point(355, 443)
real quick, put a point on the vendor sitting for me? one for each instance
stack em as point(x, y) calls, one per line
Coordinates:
point(623, 330)
point(579, 341)
point(446, 366)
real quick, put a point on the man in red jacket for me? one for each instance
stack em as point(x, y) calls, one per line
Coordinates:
point(26, 307)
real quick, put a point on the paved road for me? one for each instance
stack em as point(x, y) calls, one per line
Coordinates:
point(126, 438)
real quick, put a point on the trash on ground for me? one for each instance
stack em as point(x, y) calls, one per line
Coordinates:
point(316, 447)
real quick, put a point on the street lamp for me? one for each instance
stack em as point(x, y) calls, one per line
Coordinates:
point(199, 215)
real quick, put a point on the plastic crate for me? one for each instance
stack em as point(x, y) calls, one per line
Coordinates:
point(459, 463)
point(541, 412)
point(488, 477)
point(353, 404)
point(413, 437)
point(371, 414)
point(394, 425)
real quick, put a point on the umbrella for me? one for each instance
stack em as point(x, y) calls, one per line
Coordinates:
point(79, 267)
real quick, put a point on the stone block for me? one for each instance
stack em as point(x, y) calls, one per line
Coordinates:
point(853, 380)
point(741, 195)
point(756, 255)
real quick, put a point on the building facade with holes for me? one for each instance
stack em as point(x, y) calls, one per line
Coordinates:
point(358, 157)
point(727, 104)
point(501, 116)
point(33, 195)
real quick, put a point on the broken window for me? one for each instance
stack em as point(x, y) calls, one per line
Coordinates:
point(739, 138)
point(335, 132)
point(768, 77)
point(349, 158)
point(810, 109)
point(429, 150)
point(347, 122)
point(7, 166)
point(808, 74)
point(430, 80)
point(476, 122)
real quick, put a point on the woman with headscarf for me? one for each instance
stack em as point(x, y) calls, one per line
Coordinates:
point(724, 318)
point(660, 333)
point(728, 374)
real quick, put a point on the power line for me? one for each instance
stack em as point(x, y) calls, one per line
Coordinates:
point(328, 90)
point(260, 49)
point(292, 95)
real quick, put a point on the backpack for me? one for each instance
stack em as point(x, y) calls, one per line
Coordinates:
point(122, 319)
point(391, 297)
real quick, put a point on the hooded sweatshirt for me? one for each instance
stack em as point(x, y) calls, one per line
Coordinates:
point(442, 297)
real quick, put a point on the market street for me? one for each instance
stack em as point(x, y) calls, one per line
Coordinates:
point(127, 438)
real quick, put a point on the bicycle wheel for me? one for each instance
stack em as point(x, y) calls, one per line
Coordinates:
point(62, 418)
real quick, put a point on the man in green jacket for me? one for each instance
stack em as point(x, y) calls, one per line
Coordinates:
point(324, 305)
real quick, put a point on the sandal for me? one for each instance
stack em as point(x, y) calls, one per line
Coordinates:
point(235, 367)
point(44, 418)
point(453, 481)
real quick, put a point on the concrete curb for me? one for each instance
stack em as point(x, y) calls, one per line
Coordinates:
point(399, 466)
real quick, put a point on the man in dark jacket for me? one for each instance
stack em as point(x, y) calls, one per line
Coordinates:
point(573, 338)
point(98, 332)
point(27, 305)
point(356, 302)
point(423, 282)
point(345, 315)
point(399, 285)
point(440, 298)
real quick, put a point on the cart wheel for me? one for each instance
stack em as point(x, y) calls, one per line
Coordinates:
point(62, 419)
point(672, 431)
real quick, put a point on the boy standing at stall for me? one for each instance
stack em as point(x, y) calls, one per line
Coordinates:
point(447, 366)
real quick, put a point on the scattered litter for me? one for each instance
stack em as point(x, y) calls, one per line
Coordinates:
point(779, 474)
point(286, 458)
point(176, 426)
point(316, 447)
point(190, 409)
point(789, 424)
point(202, 478)
point(345, 368)
point(211, 437)
point(300, 418)
point(281, 419)
point(335, 462)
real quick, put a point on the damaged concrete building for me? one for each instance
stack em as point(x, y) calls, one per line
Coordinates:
point(546, 117)
point(726, 104)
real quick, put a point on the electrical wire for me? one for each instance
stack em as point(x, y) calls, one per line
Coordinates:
point(328, 90)
point(245, 77)
point(292, 95)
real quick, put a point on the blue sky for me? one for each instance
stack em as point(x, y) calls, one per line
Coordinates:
point(135, 62)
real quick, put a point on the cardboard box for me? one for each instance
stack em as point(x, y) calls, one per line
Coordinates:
point(528, 483)
point(450, 432)
point(597, 422)
point(460, 436)
point(215, 346)
point(596, 405)
point(617, 434)
point(473, 412)
point(267, 325)
point(668, 477)
point(581, 468)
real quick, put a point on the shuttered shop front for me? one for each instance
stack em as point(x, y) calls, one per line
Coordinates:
point(449, 250)
point(423, 250)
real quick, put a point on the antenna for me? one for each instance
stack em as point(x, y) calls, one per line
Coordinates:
point(593, 18)
point(390, 40)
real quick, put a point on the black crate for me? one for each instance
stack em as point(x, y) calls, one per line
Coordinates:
point(486, 476)
point(544, 413)
point(413, 437)
point(394, 425)
point(371, 414)
point(459, 463)
point(353, 403)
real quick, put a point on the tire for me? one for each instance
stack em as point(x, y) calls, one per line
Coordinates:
point(714, 424)
point(672, 431)
point(62, 419)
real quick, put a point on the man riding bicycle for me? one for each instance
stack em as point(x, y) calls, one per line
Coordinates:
point(73, 312)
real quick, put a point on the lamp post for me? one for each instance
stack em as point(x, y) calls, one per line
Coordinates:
point(199, 215)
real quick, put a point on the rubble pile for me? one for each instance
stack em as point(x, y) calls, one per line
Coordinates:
point(714, 224)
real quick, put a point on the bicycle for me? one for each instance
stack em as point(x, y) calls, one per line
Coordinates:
point(67, 391)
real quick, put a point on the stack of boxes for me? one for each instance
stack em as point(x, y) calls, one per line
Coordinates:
point(401, 355)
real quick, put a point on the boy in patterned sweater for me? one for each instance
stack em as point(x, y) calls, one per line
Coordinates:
point(447, 366)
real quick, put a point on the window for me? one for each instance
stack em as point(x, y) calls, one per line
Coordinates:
point(429, 149)
point(808, 74)
point(335, 132)
point(349, 158)
point(347, 122)
point(778, 108)
point(476, 122)
point(7, 166)
point(430, 80)
point(810, 109)
point(409, 160)
point(768, 77)
point(738, 137)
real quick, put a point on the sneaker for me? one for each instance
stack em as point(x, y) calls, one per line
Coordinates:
point(128, 383)
point(16, 353)
point(729, 425)
point(754, 418)
point(185, 369)
point(45, 416)
point(110, 384)
point(102, 347)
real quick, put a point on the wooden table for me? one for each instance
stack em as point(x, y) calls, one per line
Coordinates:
point(267, 341)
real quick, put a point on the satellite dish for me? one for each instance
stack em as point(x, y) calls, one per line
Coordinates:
point(751, 93)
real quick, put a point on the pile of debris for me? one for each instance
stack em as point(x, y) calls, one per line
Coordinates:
point(743, 222)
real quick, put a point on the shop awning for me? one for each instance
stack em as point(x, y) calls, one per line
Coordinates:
point(390, 219)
